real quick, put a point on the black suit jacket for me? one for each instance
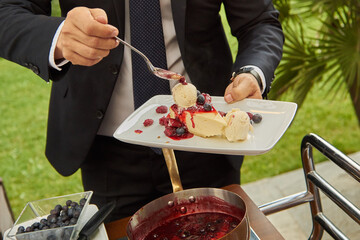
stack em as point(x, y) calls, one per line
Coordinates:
point(80, 95)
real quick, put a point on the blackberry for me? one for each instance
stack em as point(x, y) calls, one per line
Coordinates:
point(71, 212)
point(35, 225)
point(207, 107)
point(77, 214)
point(58, 207)
point(257, 118)
point(52, 219)
point(54, 225)
point(73, 204)
point(200, 99)
point(41, 226)
point(43, 221)
point(73, 221)
point(65, 208)
point(180, 131)
point(64, 218)
point(21, 229)
point(78, 208)
point(55, 212)
point(82, 201)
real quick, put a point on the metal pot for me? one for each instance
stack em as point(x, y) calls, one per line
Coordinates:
point(186, 202)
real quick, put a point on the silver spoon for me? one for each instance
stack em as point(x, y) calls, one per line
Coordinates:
point(159, 72)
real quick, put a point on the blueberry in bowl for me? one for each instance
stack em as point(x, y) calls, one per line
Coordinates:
point(52, 218)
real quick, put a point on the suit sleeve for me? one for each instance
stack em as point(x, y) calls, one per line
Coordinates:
point(255, 24)
point(26, 31)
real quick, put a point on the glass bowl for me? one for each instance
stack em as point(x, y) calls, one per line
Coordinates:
point(35, 212)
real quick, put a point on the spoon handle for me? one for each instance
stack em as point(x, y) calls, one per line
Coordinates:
point(149, 64)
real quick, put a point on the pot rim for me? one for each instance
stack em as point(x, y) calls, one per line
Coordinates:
point(148, 210)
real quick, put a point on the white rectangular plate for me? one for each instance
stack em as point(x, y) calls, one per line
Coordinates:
point(276, 118)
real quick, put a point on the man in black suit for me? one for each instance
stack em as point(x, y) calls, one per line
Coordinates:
point(92, 84)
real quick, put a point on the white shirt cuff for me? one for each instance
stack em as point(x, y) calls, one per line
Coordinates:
point(52, 63)
point(261, 74)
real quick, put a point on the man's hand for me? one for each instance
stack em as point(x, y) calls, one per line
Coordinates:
point(243, 86)
point(86, 37)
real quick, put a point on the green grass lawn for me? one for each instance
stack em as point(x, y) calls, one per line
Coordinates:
point(28, 175)
point(25, 170)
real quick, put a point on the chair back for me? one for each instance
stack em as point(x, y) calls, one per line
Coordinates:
point(6, 214)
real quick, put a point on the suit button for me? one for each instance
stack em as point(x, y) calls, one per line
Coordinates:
point(99, 114)
point(114, 69)
point(34, 68)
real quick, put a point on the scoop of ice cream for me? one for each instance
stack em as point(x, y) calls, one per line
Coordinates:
point(238, 125)
point(184, 94)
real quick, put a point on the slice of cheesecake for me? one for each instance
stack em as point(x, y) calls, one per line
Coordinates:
point(198, 121)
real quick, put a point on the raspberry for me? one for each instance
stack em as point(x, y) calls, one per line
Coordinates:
point(170, 131)
point(163, 121)
point(174, 123)
point(223, 114)
point(250, 115)
point(207, 97)
point(182, 80)
point(148, 122)
point(162, 109)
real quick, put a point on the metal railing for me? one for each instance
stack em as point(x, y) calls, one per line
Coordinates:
point(315, 183)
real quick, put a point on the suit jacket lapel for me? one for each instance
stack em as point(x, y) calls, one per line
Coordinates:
point(179, 11)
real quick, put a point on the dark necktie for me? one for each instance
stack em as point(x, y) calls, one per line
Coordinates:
point(147, 36)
